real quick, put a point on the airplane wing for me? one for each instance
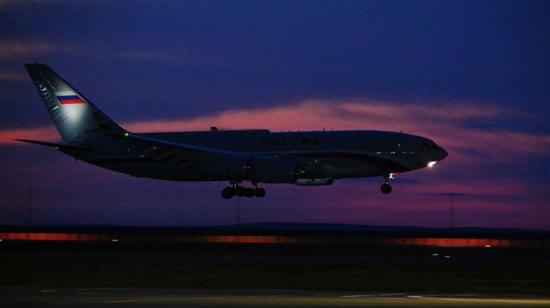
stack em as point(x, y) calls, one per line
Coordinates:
point(178, 153)
point(369, 158)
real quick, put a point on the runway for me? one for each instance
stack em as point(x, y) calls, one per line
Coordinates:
point(132, 297)
point(51, 267)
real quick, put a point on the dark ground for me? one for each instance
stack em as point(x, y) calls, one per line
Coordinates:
point(490, 271)
point(229, 275)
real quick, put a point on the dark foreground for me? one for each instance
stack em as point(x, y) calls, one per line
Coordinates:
point(137, 297)
point(144, 274)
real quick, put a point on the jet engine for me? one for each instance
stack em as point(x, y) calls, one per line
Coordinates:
point(314, 182)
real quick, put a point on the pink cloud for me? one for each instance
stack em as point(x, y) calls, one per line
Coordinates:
point(12, 76)
point(482, 187)
point(446, 124)
point(411, 204)
point(18, 48)
point(8, 136)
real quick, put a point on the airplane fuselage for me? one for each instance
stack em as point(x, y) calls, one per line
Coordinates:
point(328, 154)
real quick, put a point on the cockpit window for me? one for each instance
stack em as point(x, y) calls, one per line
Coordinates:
point(430, 144)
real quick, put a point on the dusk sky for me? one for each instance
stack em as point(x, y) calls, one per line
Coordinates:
point(474, 76)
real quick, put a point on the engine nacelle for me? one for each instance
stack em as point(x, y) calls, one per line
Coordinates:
point(314, 182)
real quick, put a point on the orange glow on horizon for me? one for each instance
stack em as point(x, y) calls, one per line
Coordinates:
point(463, 242)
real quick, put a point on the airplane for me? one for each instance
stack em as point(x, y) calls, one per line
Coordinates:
point(309, 158)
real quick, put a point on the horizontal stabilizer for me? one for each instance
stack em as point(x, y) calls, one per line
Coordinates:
point(56, 145)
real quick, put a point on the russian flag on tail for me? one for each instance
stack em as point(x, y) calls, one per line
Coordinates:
point(70, 99)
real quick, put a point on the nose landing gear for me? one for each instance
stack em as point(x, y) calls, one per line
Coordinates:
point(386, 187)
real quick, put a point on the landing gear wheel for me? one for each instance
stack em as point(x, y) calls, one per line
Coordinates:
point(259, 192)
point(228, 192)
point(235, 189)
point(249, 192)
point(239, 191)
point(385, 188)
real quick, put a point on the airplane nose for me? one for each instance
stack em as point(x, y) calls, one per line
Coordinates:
point(437, 155)
point(442, 153)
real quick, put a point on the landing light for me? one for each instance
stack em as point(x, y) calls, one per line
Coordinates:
point(432, 163)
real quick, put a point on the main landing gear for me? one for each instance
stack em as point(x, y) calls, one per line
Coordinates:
point(239, 191)
point(386, 187)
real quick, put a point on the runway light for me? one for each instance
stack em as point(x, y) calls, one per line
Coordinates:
point(432, 163)
point(487, 246)
point(114, 240)
point(126, 134)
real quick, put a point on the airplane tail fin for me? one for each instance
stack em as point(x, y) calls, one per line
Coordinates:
point(76, 118)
